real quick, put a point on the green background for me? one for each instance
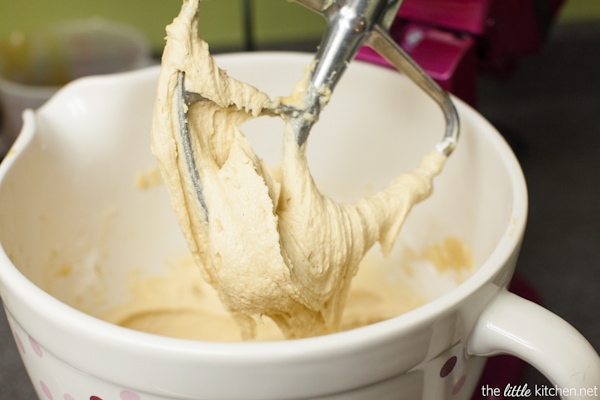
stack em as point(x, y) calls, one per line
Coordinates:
point(275, 21)
point(221, 22)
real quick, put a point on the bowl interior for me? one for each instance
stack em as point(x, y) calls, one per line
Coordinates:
point(76, 221)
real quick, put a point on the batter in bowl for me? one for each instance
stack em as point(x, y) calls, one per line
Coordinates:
point(270, 244)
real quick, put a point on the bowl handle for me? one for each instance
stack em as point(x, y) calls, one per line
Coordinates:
point(512, 325)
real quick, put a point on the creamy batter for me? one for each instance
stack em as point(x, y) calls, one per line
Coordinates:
point(181, 304)
point(270, 244)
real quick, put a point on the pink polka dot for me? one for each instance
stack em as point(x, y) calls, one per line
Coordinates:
point(20, 343)
point(68, 397)
point(36, 347)
point(46, 391)
point(459, 384)
point(129, 395)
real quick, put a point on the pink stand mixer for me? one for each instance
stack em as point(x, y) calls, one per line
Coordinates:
point(456, 40)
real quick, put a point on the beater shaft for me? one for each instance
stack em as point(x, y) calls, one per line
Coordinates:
point(348, 24)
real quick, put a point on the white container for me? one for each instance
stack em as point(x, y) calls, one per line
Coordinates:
point(33, 66)
point(67, 197)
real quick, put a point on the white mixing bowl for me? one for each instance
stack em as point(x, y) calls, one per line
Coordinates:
point(68, 199)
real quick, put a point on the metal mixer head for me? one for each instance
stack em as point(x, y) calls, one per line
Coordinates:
point(350, 25)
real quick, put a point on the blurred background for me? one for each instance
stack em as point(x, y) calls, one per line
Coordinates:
point(541, 90)
point(275, 22)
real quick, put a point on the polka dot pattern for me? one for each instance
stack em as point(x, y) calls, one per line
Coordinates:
point(46, 391)
point(44, 388)
point(447, 369)
point(448, 366)
point(36, 347)
point(20, 343)
point(129, 395)
point(459, 384)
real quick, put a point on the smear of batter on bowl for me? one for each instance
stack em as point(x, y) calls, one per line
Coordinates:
point(181, 304)
point(271, 244)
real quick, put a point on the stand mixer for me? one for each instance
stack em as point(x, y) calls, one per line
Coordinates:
point(454, 41)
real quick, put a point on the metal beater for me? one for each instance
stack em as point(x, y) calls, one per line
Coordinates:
point(350, 25)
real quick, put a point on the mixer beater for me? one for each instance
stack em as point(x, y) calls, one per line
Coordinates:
point(351, 24)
